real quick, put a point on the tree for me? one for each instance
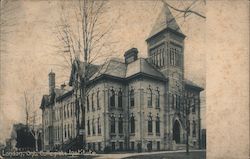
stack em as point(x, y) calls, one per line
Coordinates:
point(187, 10)
point(83, 37)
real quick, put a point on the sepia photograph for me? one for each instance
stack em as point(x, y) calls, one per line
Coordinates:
point(103, 79)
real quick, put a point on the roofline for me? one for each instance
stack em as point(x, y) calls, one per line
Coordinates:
point(194, 87)
point(127, 79)
point(65, 95)
point(163, 30)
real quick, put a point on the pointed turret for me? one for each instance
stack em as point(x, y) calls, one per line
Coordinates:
point(164, 21)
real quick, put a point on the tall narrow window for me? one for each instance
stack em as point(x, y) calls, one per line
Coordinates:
point(150, 124)
point(98, 125)
point(132, 98)
point(157, 99)
point(194, 105)
point(150, 95)
point(157, 125)
point(132, 124)
point(112, 124)
point(88, 125)
point(97, 99)
point(93, 126)
point(120, 123)
point(194, 129)
point(120, 99)
point(92, 100)
point(112, 98)
point(88, 103)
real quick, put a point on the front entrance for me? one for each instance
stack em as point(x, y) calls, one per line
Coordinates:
point(176, 132)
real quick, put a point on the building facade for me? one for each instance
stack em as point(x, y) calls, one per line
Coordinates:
point(137, 104)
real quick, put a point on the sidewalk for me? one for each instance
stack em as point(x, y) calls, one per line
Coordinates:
point(118, 156)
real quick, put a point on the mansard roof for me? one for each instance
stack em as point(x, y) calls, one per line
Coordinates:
point(164, 21)
point(118, 69)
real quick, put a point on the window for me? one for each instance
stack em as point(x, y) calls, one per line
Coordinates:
point(88, 125)
point(88, 103)
point(132, 145)
point(157, 100)
point(120, 99)
point(194, 129)
point(120, 123)
point(65, 131)
point(113, 124)
point(132, 98)
point(99, 146)
point(92, 100)
point(93, 126)
point(132, 124)
point(98, 125)
point(121, 146)
point(150, 124)
point(97, 99)
point(194, 105)
point(158, 145)
point(113, 146)
point(68, 131)
point(71, 109)
point(112, 98)
point(157, 124)
point(150, 95)
point(93, 146)
point(67, 110)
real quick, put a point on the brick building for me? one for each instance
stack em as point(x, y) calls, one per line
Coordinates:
point(132, 104)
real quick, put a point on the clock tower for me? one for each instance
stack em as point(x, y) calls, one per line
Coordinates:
point(166, 54)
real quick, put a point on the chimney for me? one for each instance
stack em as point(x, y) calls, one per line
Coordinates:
point(52, 82)
point(131, 55)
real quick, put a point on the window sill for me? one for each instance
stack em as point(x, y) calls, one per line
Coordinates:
point(157, 108)
point(158, 134)
point(150, 133)
point(132, 134)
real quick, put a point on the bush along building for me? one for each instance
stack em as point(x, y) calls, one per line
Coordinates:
point(137, 104)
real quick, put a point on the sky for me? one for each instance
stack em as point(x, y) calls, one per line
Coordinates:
point(30, 53)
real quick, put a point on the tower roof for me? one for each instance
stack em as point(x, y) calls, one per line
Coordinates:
point(165, 20)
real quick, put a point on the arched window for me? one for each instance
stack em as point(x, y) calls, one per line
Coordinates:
point(93, 126)
point(157, 99)
point(88, 103)
point(157, 124)
point(150, 96)
point(68, 131)
point(112, 124)
point(67, 110)
point(98, 125)
point(92, 100)
point(194, 129)
point(132, 98)
point(112, 98)
point(150, 124)
point(132, 124)
point(65, 131)
point(120, 123)
point(120, 99)
point(97, 99)
point(88, 125)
